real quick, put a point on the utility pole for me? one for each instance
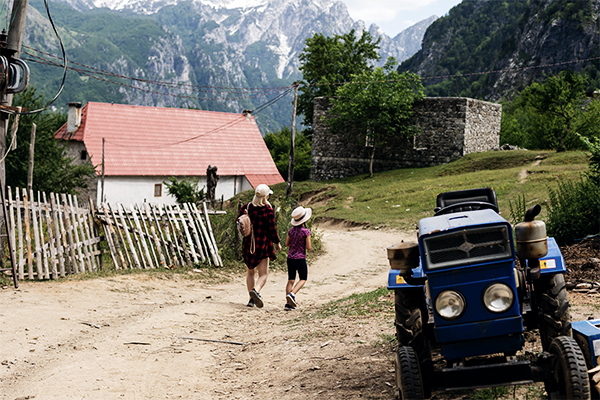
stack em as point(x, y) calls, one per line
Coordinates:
point(290, 182)
point(31, 159)
point(102, 181)
point(15, 40)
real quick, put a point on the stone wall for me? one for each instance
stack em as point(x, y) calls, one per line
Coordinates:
point(450, 127)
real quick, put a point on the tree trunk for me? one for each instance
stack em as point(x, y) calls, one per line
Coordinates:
point(371, 162)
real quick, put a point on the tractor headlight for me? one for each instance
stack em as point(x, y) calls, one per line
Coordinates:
point(450, 304)
point(498, 297)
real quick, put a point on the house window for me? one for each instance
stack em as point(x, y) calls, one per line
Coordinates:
point(83, 155)
point(158, 190)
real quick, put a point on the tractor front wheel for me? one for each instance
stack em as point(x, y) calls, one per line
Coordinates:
point(569, 376)
point(553, 314)
point(408, 375)
point(411, 314)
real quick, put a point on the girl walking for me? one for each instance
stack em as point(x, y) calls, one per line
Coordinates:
point(298, 241)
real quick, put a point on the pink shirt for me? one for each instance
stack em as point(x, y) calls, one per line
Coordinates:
point(298, 237)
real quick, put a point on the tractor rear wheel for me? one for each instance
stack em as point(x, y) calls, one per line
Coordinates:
point(408, 375)
point(569, 379)
point(553, 314)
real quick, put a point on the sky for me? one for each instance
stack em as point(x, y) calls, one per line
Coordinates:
point(394, 16)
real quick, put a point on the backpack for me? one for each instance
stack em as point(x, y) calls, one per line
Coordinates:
point(244, 227)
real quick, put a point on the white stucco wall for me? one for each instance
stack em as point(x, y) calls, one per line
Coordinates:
point(131, 190)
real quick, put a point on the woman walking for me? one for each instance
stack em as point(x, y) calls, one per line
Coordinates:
point(257, 248)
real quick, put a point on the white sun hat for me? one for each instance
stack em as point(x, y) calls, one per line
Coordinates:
point(300, 215)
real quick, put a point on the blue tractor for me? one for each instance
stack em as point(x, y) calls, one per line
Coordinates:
point(463, 294)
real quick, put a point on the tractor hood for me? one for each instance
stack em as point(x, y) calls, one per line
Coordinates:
point(463, 219)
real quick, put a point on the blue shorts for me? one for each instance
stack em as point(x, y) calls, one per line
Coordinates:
point(297, 265)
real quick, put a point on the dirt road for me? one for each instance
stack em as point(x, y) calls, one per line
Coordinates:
point(121, 337)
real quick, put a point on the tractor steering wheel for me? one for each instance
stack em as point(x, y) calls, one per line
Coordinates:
point(466, 206)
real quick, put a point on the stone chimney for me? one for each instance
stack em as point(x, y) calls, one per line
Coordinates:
point(74, 117)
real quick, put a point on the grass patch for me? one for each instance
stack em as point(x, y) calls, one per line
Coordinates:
point(399, 198)
point(375, 303)
point(494, 160)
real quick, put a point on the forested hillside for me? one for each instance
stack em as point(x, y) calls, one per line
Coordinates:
point(491, 49)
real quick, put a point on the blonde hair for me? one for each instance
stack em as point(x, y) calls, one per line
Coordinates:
point(259, 201)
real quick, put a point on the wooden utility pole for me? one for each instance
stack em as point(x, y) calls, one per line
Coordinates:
point(31, 159)
point(290, 182)
point(15, 40)
point(102, 181)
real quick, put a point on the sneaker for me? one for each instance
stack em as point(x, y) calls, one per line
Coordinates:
point(291, 300)
point(287, 307)
point(256, 297)
point(251, 303)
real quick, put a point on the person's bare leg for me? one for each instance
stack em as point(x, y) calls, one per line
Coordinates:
point(263, 270)
point(250, 279)
point(288, 286)
point(298, 286)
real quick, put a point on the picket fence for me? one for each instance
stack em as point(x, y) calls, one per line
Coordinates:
point(59, 237)
point(151, 236)
point(51, 238)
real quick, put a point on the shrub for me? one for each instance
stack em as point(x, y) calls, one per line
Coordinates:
point(574, 210)
point(185, 190)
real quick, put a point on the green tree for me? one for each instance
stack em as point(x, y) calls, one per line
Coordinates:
point(185, 191)
point(54, 170)
point(327, 61)
point(551, 114)
point(378, 104)
point(278, 144)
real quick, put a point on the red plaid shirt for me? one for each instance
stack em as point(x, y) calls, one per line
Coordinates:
point(265, 234)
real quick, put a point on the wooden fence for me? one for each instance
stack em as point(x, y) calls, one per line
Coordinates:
point(51, 238)
point(151, 236)
point(59, 237)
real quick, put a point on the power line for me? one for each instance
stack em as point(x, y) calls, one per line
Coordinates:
point(259, 92)
point(214, 130)
point(200, 88)
point(264, 92)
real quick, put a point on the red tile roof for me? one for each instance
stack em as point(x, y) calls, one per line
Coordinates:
point(157, 141)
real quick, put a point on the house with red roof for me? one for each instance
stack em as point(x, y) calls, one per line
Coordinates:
point(142, 147)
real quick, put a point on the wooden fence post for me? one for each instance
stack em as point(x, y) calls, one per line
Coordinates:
point(58, 233)
point(180, 238)
point(65, 233)
point(163, 236)
point(218, 262)
point(20, 234)
point(142, 239)
point(51, 244)
point(187, 235)
point(194, 231)
point(205, 234)
point(110, 236)
point(122, 249)
point(161, 261)
point(10, 228)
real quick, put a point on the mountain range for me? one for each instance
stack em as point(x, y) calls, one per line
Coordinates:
point(220, 55)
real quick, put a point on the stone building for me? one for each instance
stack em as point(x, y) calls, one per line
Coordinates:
point(450, 127)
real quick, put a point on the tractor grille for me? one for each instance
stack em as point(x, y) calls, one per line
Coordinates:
point(467, 247)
